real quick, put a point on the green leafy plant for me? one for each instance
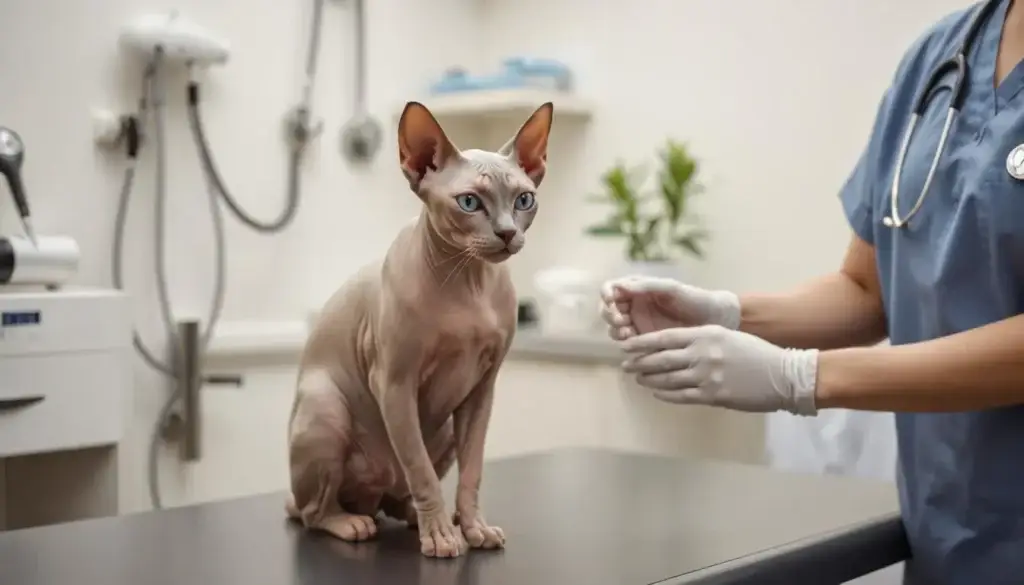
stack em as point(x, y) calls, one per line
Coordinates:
point(656, 223)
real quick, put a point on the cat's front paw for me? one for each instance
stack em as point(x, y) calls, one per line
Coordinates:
point(438, 535)
point(477, 532)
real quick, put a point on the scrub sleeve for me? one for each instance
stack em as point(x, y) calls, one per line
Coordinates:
point(860, 192)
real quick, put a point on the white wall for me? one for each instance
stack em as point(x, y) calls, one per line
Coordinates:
point(775, 97)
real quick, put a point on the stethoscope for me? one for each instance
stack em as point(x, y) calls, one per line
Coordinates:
point(957, 63)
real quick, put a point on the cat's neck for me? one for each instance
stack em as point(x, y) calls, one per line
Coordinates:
point(449, 266)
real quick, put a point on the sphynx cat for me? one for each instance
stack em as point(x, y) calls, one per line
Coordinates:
point(396, 381)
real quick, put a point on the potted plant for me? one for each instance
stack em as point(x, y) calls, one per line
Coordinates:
point(657, 224)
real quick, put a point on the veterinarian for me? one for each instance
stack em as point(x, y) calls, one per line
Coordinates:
point(936, 264)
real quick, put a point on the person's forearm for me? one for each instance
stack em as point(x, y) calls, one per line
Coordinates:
point(830, 312)
point(977, 369)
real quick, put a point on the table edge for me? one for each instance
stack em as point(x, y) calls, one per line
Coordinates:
point(830, 558)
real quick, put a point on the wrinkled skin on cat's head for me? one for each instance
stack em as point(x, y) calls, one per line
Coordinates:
point(475, 199)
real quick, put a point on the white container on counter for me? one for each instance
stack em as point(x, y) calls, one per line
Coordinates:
point(567, 301)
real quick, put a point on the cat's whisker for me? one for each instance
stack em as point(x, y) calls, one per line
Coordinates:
point(467, 258)
point(450, 258)
point(434, 263)
point(463, 257)
point(473, 255)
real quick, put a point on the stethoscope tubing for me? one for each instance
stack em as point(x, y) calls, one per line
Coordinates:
point(958, 64)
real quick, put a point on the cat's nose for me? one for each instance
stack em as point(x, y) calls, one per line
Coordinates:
point(506, 234)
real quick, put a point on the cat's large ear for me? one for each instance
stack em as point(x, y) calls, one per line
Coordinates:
point(529, 147)
point(422, 144)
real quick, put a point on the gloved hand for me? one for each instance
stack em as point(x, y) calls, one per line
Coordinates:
point(642, 304)
point(716, 366)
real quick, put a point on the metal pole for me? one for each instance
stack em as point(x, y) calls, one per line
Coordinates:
point(189, 385)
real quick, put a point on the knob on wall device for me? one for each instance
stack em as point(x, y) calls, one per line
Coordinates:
point(12, 155)
point(48, 261)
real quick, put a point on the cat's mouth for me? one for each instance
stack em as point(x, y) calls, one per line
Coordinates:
point(502, 254)
point(500, 251)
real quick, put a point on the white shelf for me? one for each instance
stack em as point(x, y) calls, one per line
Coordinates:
point(503, 104)
point(255, 338)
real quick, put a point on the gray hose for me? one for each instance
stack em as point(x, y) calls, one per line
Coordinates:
point(121, 220)
point(312, 53)
point(299, 131)
point(359, 16)
point(214, 179)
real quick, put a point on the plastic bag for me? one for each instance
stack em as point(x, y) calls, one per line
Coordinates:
point(836, 442)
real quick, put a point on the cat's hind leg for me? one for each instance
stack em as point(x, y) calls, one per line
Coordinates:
point(319, 443)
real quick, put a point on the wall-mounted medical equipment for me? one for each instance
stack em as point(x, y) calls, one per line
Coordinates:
point(51, 261)
point(12, 155)
point(48, 261)
point(176, 37)
point(361, 135)
point(170, 40)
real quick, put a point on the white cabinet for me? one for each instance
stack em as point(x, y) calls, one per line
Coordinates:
point(65, 384)
point(46, 413)
point(547, 404)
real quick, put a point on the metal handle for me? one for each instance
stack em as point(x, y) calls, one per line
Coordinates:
point(224, 380)
point(189, 385)
point(11, 404)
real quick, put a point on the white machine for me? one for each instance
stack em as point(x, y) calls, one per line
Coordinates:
point(65, 375)
point(65, 369)
point(65, 383)
point(51, 261)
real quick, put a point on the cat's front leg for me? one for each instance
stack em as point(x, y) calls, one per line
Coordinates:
point(398, 400)
point(471, 419)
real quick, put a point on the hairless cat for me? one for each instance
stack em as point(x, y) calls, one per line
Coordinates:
point(396, 381)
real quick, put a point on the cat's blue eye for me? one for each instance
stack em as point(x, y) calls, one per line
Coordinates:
point(468, 202)
point(525, 201)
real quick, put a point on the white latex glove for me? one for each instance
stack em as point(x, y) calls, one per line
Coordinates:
point(642, 304)
point(716, 366)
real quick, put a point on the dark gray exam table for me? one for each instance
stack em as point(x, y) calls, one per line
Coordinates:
point(572, 517)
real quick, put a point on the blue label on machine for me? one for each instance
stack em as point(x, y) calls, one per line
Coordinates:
point(20, 318)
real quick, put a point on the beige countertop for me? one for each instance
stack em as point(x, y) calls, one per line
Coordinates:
point(594, 349)
point(285, 340)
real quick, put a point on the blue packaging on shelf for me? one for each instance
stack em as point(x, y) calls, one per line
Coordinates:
point(538, 68)
point(460, 81)
point(515, 73)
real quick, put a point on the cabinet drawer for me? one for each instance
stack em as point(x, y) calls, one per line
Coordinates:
point(61, 402)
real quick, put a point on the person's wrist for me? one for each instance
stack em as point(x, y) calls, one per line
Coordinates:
point(727, 309)
point(800, 370)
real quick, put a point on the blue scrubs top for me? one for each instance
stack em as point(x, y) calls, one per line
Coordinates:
point(957, 265)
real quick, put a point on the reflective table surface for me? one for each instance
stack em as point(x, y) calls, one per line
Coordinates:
point(570, 517)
